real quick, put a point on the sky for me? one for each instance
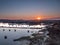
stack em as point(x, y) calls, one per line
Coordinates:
point(29, 9)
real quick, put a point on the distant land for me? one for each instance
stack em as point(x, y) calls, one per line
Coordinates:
point(32, 22)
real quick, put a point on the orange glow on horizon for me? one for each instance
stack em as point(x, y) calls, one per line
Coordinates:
point(38, 18)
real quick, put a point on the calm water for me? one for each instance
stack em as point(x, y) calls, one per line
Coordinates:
point(7, 35)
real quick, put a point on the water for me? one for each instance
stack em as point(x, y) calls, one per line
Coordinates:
point(7, 35)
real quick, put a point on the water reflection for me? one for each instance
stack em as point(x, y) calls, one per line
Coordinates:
point(14, 33)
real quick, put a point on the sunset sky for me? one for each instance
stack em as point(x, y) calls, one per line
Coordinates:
point(29, 9)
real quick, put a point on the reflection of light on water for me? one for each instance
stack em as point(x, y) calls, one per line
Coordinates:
point(21, 25)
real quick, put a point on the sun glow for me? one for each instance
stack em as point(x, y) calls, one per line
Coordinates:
point(38, 18)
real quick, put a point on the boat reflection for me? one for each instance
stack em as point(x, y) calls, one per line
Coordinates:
point(9, 30)
point(3, 29)
point(14, 30)
point(5, 37)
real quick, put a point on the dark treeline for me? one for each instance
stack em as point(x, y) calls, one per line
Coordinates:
point(31, 22)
